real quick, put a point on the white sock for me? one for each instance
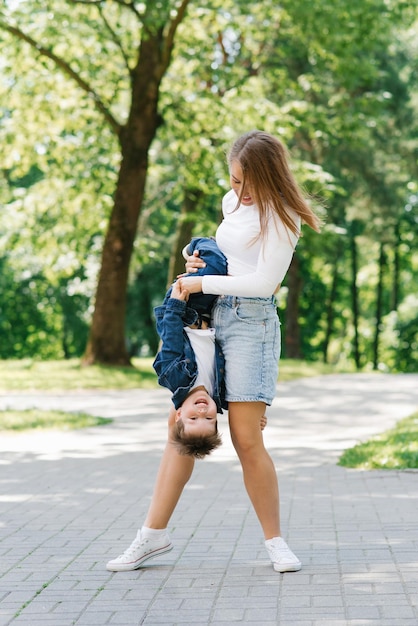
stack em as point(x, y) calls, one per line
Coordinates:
point(152, 533)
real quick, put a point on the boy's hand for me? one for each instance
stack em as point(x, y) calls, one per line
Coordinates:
point(179, 292)
point(263, 422)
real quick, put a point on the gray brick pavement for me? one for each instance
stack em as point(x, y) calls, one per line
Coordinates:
point(70, 501)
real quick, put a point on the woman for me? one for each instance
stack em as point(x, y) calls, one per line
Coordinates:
point(262, 216)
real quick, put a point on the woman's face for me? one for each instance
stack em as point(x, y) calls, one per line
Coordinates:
point(236, 177)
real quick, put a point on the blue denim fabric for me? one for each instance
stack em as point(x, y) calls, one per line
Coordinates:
point(201, 303)
point(248, 331)
point(175, 364)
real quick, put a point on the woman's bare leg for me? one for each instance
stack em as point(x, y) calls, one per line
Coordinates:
point(174, 472)
point(152, 539)
point(259, 473)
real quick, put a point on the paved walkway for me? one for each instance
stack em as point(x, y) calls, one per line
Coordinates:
point(70, 501)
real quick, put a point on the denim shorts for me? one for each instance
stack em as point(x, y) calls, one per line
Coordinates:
point(248, 331)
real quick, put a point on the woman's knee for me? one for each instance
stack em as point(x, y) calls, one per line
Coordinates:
point(247, 441)
point(244, 425)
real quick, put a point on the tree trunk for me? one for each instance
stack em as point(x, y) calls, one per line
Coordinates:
point(292, 339)
point(184, 232)
point(330, 304)
point(106, 343)
point(396, 268)
point(354, 295)
point(379, 306)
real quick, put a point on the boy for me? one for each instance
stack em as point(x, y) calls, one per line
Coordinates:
point(190, 362)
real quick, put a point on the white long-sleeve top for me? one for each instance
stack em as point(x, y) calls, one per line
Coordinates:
point(255, 268)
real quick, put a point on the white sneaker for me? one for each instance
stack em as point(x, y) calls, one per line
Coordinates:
point(282, 556)
point(139, 551)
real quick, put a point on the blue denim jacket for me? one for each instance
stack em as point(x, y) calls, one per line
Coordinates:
point(175, 363)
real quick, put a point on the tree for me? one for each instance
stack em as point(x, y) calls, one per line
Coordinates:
point(333, 87)
point(144, 66)
point(349, 96)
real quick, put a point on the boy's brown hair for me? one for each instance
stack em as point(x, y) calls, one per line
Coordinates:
point(195, 445)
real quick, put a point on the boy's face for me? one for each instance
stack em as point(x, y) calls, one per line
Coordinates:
point(198, 413)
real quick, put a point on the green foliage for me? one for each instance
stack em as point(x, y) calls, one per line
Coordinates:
point(400, 337)
point(396, 448)
point(145, 292)
point(57, 186)
point(40, 319)
point(334, 80)
point(26, 320)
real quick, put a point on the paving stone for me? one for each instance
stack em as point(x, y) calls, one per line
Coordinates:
point(71, 501)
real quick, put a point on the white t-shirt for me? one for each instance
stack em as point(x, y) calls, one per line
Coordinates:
point(203, 344)
point(255, 269)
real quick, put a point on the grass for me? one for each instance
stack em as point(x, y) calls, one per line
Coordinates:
point(36, 419)
point(291, 369)
point(396, 448)
point(69, 375)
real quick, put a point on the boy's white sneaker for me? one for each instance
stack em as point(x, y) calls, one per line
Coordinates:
point(139, 551)
point(282, 556)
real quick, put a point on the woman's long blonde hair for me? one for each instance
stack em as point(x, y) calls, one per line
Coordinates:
point(264, 163)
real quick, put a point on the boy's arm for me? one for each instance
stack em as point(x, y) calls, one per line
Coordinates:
point(170, 329)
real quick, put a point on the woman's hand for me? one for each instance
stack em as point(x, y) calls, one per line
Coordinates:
point(192, 284)
point(193, 262)
point(179, 292)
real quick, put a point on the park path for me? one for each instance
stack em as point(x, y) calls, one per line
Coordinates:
point(70, 501)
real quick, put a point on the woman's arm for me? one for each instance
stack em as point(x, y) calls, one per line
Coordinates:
point(273, 262)
point(262, 283)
